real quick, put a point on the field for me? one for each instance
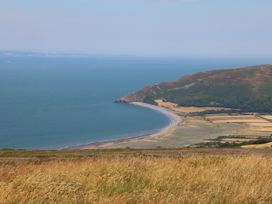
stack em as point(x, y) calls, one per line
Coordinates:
point(235, 119)
point(255, 123)
point(165, 104)
point(219, 129)
point(130, 176)
point(259, 146)
point(261, 124)
point(268, 117)
point(187, 109)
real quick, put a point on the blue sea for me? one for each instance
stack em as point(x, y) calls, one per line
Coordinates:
point(52, 102)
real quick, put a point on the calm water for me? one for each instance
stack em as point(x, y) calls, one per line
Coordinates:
point(54, 102)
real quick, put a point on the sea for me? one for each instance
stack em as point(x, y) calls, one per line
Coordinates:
point(60, 101)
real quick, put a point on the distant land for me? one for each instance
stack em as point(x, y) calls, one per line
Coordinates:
point(246, 89)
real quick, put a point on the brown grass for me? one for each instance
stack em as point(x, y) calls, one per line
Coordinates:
point(236, 140)
point(261, 124)
point(239, 121)
point(222, 116)
point(262, 129)
point(268, 117)
point(259, 146)
point(236, 119)
point(138, 179)
point(187, 109)
point(166, 104)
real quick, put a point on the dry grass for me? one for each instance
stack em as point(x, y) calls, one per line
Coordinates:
point(236, 140)
point(239, 121)
point(187, 109)
point(138, 179)
point(223, 116)
point(259, 146)
point(268, 117)
point(261, 124)
point(262, 129)
point(255, 124)
point(236, 119)
point(166, 104)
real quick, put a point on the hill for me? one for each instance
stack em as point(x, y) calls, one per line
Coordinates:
point(247, 89)
point(136, 176)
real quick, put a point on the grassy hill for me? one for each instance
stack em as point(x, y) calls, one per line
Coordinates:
point(136, 176)
point(247, 89)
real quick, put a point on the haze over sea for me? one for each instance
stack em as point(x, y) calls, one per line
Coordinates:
point(50, 102)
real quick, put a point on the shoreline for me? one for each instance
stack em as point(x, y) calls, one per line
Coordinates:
point(175, 120)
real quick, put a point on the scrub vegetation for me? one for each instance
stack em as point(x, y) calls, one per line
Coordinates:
point(246, 89)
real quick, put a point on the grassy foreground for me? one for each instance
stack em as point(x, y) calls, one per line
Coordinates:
point(123, 176)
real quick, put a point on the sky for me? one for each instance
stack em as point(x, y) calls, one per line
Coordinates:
point(187, 28)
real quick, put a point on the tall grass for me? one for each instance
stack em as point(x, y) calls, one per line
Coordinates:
point(193, 179)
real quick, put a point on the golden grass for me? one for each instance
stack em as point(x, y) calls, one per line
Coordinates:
point(255, 124)
point(261, 124)
point(236, 119)
point(166, 104)
point(187, 109)
point(269, 117)
point(236, 140)
point(239, 121)
point(218, 116)
point(262, 129)
point(136, 179)
point(259, 146)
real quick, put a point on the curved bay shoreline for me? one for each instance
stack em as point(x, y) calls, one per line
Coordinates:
point(174, 118)
point(174, 122)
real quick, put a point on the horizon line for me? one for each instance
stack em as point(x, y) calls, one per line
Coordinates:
point(84, 54)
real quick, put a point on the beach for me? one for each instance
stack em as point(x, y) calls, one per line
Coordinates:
point(175, 120)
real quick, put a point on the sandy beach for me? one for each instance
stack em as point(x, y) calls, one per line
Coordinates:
point(174, 122)
point(174, 118)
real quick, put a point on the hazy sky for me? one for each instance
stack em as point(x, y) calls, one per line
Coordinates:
point(238, 28)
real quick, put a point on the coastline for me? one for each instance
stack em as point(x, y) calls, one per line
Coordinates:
point(175, 120)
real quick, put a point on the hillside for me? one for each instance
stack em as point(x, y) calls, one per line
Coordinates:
point(136, 176)
point(247, 89)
